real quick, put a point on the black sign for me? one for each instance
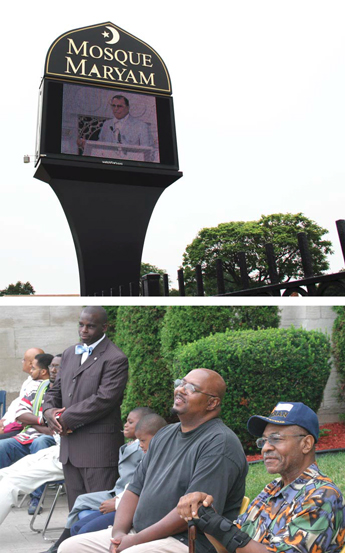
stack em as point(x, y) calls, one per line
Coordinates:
point(109, 55)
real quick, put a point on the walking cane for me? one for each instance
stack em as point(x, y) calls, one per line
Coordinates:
point(191, 536)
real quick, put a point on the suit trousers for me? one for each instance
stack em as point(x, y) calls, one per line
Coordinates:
point(99, 542)
point(80, 480)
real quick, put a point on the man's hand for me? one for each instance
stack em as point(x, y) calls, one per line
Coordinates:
point(189, 504)
point(115, 542)
point(53, 423)
point(81, 142)
point(121, 543)
point(42, 429)
point(107, 506)
point(2, 427)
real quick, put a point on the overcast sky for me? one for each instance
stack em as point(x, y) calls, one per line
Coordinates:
point(259, 95)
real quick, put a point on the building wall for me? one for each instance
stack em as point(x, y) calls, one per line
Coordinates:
point(318, 318)
point(51, 328)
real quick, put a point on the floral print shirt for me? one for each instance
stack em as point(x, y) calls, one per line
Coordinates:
point(307, 515)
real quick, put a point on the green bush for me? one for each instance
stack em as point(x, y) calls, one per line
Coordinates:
point(184, 324)
point(338, 338)
point(261, 368)
point(138, 332)
point(112, 315)
point(149, 335)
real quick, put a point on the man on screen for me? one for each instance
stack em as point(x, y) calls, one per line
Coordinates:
point(123, 128)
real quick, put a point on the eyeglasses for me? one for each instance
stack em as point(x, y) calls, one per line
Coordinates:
point(117, 106)
point(275, 439)
point(54, 366)
point(189, 388)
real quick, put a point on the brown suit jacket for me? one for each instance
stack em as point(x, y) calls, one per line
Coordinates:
point(92, 394)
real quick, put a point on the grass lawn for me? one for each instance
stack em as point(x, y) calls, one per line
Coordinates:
point(331, 464)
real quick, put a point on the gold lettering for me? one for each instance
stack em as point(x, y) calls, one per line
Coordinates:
point(150, 80)
point(131, 76)
point(147, 60)
point(94, 71)
point(100, 51)
point(76, 50)
point(108, 52)
point(118, 72)
point(131, 58)
point(125, 56)
point(75, 70)
point(107, 73)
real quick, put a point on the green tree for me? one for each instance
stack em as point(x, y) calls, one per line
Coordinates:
point(146, 268)
point(228, 239)
point(18, 289)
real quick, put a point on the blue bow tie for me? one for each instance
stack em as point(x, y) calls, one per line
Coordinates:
point(79, 349)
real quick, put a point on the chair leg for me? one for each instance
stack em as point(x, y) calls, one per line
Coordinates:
point(60, 487)
point(22, 501)
point(38, 510)
point(58, 492)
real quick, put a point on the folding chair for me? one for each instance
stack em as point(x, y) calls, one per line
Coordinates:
point(2, 403)
point(60, 488)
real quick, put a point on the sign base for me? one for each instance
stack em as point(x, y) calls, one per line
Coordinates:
point(108, 212)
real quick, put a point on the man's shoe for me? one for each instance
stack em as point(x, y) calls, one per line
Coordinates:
point(34, 501)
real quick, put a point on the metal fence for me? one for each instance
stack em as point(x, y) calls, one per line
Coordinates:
point(311, 285)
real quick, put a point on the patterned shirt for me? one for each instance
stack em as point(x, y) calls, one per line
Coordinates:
point(26, 404)
point(307, 515)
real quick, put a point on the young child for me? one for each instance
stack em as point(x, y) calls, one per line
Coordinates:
point(100, 506)
point(147, 427)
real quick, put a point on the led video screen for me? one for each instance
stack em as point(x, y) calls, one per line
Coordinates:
point(102, 124)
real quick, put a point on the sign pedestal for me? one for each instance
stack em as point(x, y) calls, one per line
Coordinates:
point(108, 219)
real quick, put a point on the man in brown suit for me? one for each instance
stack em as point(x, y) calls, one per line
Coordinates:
point(83, 407)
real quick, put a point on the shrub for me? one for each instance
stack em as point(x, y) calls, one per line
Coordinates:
point(112, 315)
point(184, 324)
point(261, 368)
point(338, 338)
point(138, 332)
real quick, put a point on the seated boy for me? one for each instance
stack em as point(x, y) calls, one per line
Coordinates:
point(145, 429)
point(102, 505)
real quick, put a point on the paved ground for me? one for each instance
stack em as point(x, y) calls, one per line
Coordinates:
point(15, 533)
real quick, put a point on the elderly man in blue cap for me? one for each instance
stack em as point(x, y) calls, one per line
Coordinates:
point(301, 511)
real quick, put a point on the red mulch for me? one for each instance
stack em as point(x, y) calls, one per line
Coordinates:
point(335, 439)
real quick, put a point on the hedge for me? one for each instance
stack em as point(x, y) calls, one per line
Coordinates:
point(145, 332)
point(338, 338)
point(184, 324)
point(138, 335)
point(261, 368)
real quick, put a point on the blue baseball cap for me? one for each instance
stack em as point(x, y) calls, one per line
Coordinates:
point(286, 414)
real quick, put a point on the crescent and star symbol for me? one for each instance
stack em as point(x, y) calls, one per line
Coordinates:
point(115, 35)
